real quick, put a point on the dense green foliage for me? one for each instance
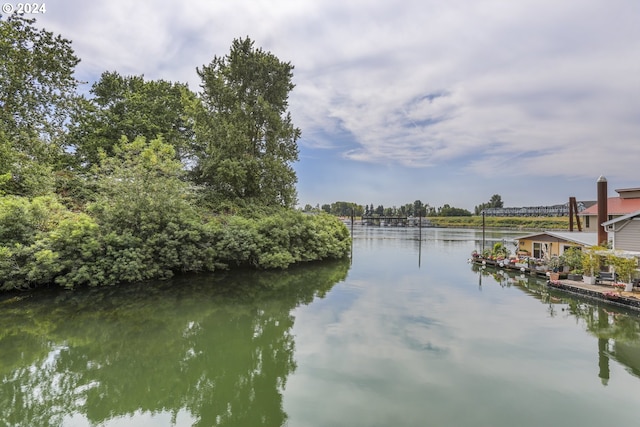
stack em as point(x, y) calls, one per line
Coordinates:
point(43, 243)
point(146, 178)
point(572, 258)
point(131, 107)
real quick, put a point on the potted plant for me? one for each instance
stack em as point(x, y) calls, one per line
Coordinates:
point(572, 258)
point(554, 268)
point(625, 268)
point(590, 264)
point(575, 275)
point(500, 251)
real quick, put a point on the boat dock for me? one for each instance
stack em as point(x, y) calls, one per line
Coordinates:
point(600, 292)
point(604, 292)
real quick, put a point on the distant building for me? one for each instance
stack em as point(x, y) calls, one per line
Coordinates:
point(610, 220)
point(552, 210)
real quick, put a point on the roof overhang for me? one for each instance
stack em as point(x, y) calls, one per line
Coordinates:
point(579, 237)
point(617, 252)
point(632, 215)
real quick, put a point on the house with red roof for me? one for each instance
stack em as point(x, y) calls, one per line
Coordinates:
point(611, 220)
point(626, 203)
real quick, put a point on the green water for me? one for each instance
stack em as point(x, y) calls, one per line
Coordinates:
point(406, 335)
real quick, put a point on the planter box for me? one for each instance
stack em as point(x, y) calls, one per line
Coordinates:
point(554, 276)
point(574, 277)
point(589, 280)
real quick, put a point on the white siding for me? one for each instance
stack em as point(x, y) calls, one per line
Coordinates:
point(628, 239)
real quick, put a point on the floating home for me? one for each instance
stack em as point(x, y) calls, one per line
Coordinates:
point(547, 244)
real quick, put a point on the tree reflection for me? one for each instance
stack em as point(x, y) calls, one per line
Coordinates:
point(219, 348)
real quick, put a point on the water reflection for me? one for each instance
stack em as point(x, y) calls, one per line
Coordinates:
point(393, 344)
point(617, 330)
point(191, 351)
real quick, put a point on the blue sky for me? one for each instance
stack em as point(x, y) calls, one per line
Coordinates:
point(443, 101)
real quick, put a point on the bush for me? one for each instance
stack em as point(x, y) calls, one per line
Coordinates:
point(142, 222)
point(281, 239)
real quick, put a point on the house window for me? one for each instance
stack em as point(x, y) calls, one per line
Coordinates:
point(540, 250)
point(586, 222)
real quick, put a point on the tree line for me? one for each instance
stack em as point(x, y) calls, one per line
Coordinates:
point(144, 178)
point(417, 208)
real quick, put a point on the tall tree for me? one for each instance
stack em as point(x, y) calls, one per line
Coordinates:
point(37, 87)
point(132, 107)
point(494, 202)
point(246, 139)
point(37, 92)
point(418, 208)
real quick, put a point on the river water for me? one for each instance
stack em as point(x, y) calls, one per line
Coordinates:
point(406, 333)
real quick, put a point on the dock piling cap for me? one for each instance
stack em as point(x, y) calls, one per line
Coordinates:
point(602, 179)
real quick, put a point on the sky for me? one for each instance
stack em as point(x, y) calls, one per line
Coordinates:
point(448, 102)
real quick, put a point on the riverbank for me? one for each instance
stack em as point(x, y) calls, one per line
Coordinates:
point(507, 223)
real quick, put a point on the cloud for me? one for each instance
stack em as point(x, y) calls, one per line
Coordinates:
point(534, 79)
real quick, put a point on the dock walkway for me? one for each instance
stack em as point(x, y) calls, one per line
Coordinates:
point(606, 293)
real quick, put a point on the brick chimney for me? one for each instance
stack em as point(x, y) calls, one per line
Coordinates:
point(602, 209)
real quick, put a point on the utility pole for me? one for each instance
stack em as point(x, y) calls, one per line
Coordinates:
point(483, 227)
